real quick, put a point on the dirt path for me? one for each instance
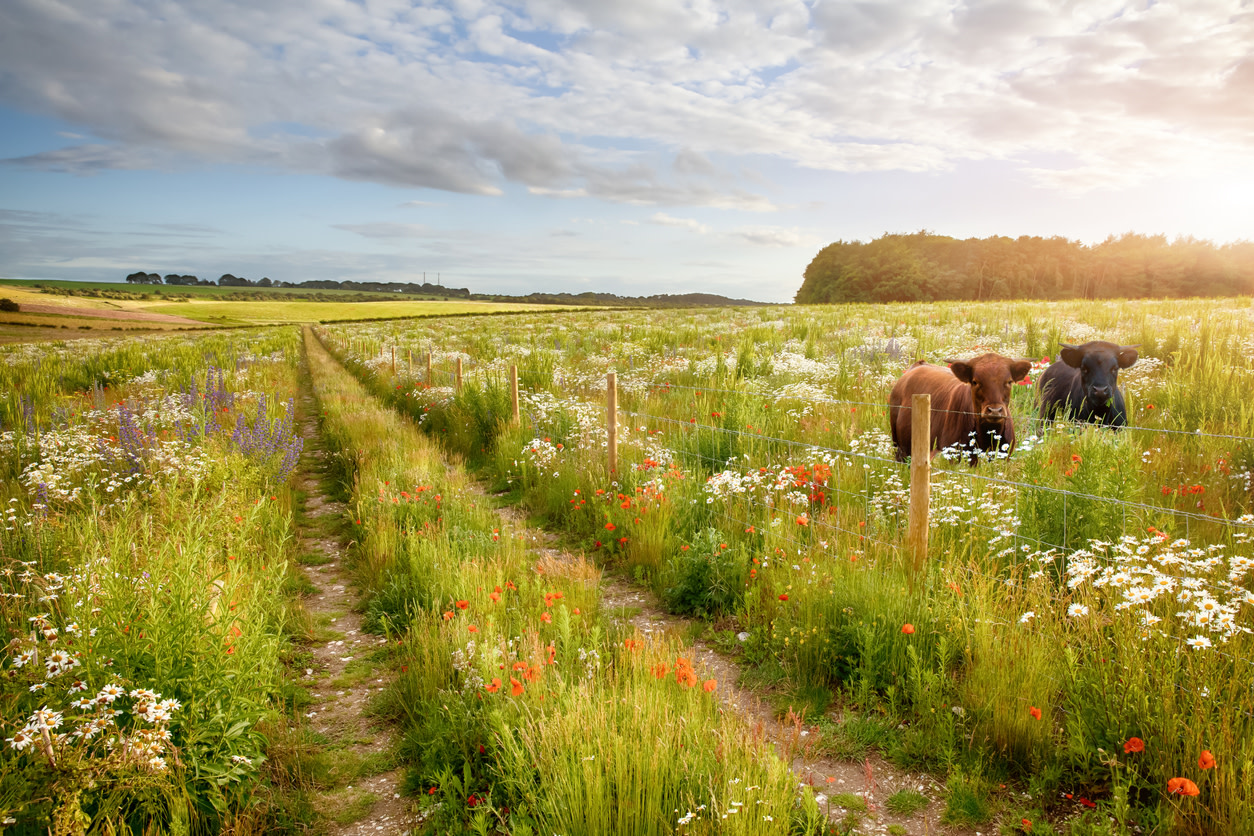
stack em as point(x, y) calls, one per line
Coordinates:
point(872, 779)
point(346, 667)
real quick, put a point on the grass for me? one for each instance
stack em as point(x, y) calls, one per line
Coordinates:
point(906, 802)
point(132, 591)
point(542, 707)
point(804, 548)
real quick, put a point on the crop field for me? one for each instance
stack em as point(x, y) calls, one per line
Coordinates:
point(1073, 657)
point(202, 310)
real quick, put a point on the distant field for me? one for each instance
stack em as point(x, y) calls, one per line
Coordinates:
point(277, 313)
point(86, 313)
point(206, 291)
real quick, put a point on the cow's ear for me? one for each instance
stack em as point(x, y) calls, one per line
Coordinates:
point(1019, 369)
point(962, 370)
point(1072, 355)
point(1127, 355)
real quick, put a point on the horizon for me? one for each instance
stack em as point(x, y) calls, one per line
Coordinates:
point(635, 149)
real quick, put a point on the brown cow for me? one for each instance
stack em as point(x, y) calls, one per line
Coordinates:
point(970, 399)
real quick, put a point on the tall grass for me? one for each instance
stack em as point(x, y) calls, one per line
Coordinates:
point(143, 604)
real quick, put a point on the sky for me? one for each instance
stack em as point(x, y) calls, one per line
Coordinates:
point(623, 146)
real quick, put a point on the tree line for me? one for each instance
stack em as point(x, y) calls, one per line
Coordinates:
point(925, 267)
point(228, 280)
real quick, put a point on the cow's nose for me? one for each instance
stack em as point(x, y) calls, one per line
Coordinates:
point(1101, 391)
point(992, 411)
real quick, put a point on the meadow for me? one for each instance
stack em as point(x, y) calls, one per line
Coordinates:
point(1073, 658)
point(1081, 629)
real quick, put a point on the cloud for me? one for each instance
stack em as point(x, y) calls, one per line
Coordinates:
point(88, 159)
point(663, 219)
point(631, 102)
point(773, 236)
point(387, 231)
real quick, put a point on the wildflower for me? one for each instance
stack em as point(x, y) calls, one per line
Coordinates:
point(803, 519)
point(546, 618)
point(1206, 760)
point(1027, 616)
point(495, 686)
point(461, 605)
point(1182, 786)
point(1035, 712)
point(1027, 824)
point(448, 615)
point(610, 526)
point(1134, 744)
point(21, 739)
point(709, 685)
point(1198, 642)
point(516, 689)
point(495, 596)
point(783, 596)
point(472, 628)
point(908, 629)
point(1077, 610)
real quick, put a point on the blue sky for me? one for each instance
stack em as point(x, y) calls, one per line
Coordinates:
point(639, 147)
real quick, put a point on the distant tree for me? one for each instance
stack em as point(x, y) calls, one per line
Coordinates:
point(144, 278)
point(264, 282)
point(181, 280)
point(227, 280)
point(9, 306)
point(924, 266)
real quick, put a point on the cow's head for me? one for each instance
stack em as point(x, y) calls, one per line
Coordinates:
point(1099, 364)
point(990, 377)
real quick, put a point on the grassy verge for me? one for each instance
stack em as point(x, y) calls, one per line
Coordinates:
point(145, 556)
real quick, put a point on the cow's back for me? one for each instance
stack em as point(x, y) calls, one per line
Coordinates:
point(951, 415)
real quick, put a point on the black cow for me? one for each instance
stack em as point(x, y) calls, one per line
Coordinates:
point(1082, 383)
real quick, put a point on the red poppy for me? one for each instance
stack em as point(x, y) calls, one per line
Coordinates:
point(517, 689)
point(1035, 712)
point(1206, 760)
point(1182, 786)
point(495, 686)
point(908, 629)
point(546, 618)
point(461, 605)
point(1134, 744)
point(610, 526)
point(710, 685)
point(472, 628)
point(783, 597)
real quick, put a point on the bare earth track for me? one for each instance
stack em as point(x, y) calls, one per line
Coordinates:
point(343, 676)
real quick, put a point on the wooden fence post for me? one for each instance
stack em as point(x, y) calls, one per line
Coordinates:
point(393, 359)
point(409, 354)
point(428, 368)
point(611, 419)
point(920, 479)
point(513, 391)
point(459, 374)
